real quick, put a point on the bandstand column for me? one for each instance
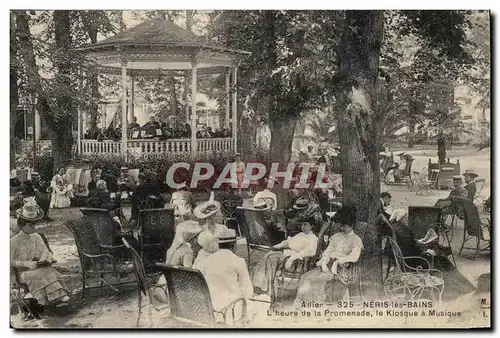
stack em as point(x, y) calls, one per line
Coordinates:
point(193, 109)
point(235, 112)
point(228, 100)
point(124, 109)
point(80, 119)
point(186, 91)
point(131, 100)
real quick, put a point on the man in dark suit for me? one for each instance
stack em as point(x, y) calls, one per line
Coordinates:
point(470, 185)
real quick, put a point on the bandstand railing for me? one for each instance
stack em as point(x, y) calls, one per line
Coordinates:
point(172, 146)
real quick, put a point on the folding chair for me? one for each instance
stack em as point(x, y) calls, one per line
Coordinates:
point(144, 285)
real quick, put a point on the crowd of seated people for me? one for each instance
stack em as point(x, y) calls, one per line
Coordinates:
point(154, 129)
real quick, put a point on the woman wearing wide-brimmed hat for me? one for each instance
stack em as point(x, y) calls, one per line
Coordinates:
point(334, 270)
point(30, 255)
point(208, 212)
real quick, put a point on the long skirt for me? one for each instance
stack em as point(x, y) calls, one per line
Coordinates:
point(45, 284)
point(324, 287)
point(264, 272)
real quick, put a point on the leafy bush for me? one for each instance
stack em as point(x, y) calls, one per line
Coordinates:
point(159, 164)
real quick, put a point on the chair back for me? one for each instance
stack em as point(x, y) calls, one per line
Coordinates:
point(479, 186)
point(433, 175)
point(85, 240)
point(420, 218)
point(255, 229)
point(189, 296)
point(228, 208)
point(139, 270)
point(407, 169)
point(102, 224)
point(397, 254)
point(157, 228)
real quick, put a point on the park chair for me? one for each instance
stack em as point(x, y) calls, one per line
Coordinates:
point(94, 261)
point(287, 279)
point(412, 282)
point(428, 183)
point(190, 301)
point(229, 210)
point(479, 186)
point(256, 232)
point(475, 228)
point(156, 234)
point(144, 284)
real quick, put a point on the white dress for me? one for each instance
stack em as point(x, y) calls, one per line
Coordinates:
point(61, 193)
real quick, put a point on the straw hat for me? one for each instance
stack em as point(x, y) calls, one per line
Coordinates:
point(227, 236)
point(470, 172)
point(301, 203)
point(457, 178)
point(30, 210)
point(260, 204)
point(207, 209)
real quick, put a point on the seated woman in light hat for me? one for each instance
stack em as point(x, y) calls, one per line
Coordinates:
point(226, 274)
point(30, 255)
point(297, 247)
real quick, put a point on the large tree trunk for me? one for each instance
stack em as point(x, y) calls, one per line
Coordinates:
point(359, 134)
point(61, 132)
point(282, 131)
point(14, 94)
point(441, 141)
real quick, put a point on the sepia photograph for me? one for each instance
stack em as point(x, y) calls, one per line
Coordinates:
point(250, 169)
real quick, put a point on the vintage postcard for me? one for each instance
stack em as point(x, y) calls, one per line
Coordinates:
point(250, 169)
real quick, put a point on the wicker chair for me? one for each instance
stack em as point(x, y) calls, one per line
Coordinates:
point(94, 261)
point(157, 231)
point(190, 302)
point(144, 284)
point(229, 210)
point(412, 282)
point(257, 233)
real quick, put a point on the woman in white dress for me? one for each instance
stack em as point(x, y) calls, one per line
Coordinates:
point(62, 190)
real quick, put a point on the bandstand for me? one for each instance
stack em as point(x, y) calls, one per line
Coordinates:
point(161, 48)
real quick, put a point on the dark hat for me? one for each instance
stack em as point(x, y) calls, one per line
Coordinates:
point(346, 215)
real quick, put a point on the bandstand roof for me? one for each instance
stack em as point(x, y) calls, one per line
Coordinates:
point(159, 46)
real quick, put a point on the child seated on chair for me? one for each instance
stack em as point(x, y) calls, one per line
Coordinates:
point(302, 245)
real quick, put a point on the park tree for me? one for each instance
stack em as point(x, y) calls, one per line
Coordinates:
point(283, 78)
point(361, 120)
point(52, 67)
